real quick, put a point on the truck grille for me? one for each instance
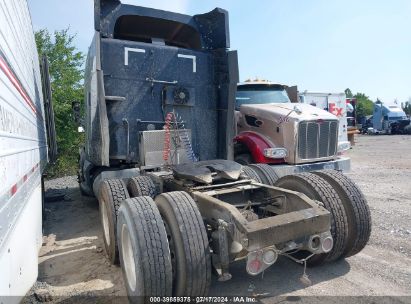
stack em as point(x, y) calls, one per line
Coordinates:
point(317, 139)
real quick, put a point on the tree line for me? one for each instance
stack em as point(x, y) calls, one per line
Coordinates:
point(365, 106)
point(66, 78)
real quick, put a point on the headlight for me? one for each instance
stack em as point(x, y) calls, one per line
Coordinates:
point(275, 153)
point(343, 146)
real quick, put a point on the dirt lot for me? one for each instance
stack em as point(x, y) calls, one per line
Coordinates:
point(72, 259)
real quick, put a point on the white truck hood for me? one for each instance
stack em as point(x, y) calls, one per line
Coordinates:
point(287, 111)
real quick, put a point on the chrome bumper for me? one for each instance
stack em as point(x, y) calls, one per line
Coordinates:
point(341, 164)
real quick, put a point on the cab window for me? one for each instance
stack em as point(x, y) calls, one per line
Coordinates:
point(261, 94)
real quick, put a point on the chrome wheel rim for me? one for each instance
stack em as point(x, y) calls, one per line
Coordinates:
point(171, 247)
point(105, 223)
point(128, 258)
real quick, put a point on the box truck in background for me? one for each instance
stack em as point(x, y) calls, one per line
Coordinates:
point(336, 104)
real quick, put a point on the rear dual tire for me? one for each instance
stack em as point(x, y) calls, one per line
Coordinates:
point(350, 214)
point(356, 209)
point(163, 247)
point(318, 189)
point(112, 193)
point(142, 186)
point(188, 243)
point(144, 252)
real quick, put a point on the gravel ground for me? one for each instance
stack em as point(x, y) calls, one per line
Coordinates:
point(73, 263)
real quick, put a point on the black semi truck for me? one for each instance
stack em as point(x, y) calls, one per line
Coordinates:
point(159, 123)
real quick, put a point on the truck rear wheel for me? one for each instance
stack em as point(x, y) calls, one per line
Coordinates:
point(250, 172)
point(142, 186)
point(112, 192)
point(187, 236)
point(356, 208)
point(144, 253)
point(318, 189)
point(266, 173)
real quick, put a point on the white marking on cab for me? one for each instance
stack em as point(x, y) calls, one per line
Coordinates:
point(192, 58)
point(127, 50)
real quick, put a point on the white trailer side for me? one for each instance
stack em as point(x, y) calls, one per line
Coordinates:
point(23, 152)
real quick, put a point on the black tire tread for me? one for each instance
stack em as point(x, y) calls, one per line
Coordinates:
point(115, 192)
point(329, 197)
point(118, 191)
point(156, 261)
point(266, 172)
point(250, 172)
point(141, 186)
point(196, 248)
point(356, 208)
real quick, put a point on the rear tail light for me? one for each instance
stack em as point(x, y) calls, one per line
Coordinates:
point(327, 244)
point(258, 261)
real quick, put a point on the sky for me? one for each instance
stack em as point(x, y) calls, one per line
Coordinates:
point(318, 45)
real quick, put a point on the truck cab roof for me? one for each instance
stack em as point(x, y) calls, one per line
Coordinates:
point(260, 82)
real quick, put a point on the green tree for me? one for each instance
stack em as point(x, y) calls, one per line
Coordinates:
point(348, 93)
point(365, 106)
point(407, 106)
point(66, 77)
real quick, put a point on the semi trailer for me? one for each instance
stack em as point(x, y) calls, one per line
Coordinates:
point(290, 137)
point(27, 144)
point(159, 124)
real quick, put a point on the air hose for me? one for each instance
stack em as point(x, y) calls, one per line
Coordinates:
point(181, 135)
